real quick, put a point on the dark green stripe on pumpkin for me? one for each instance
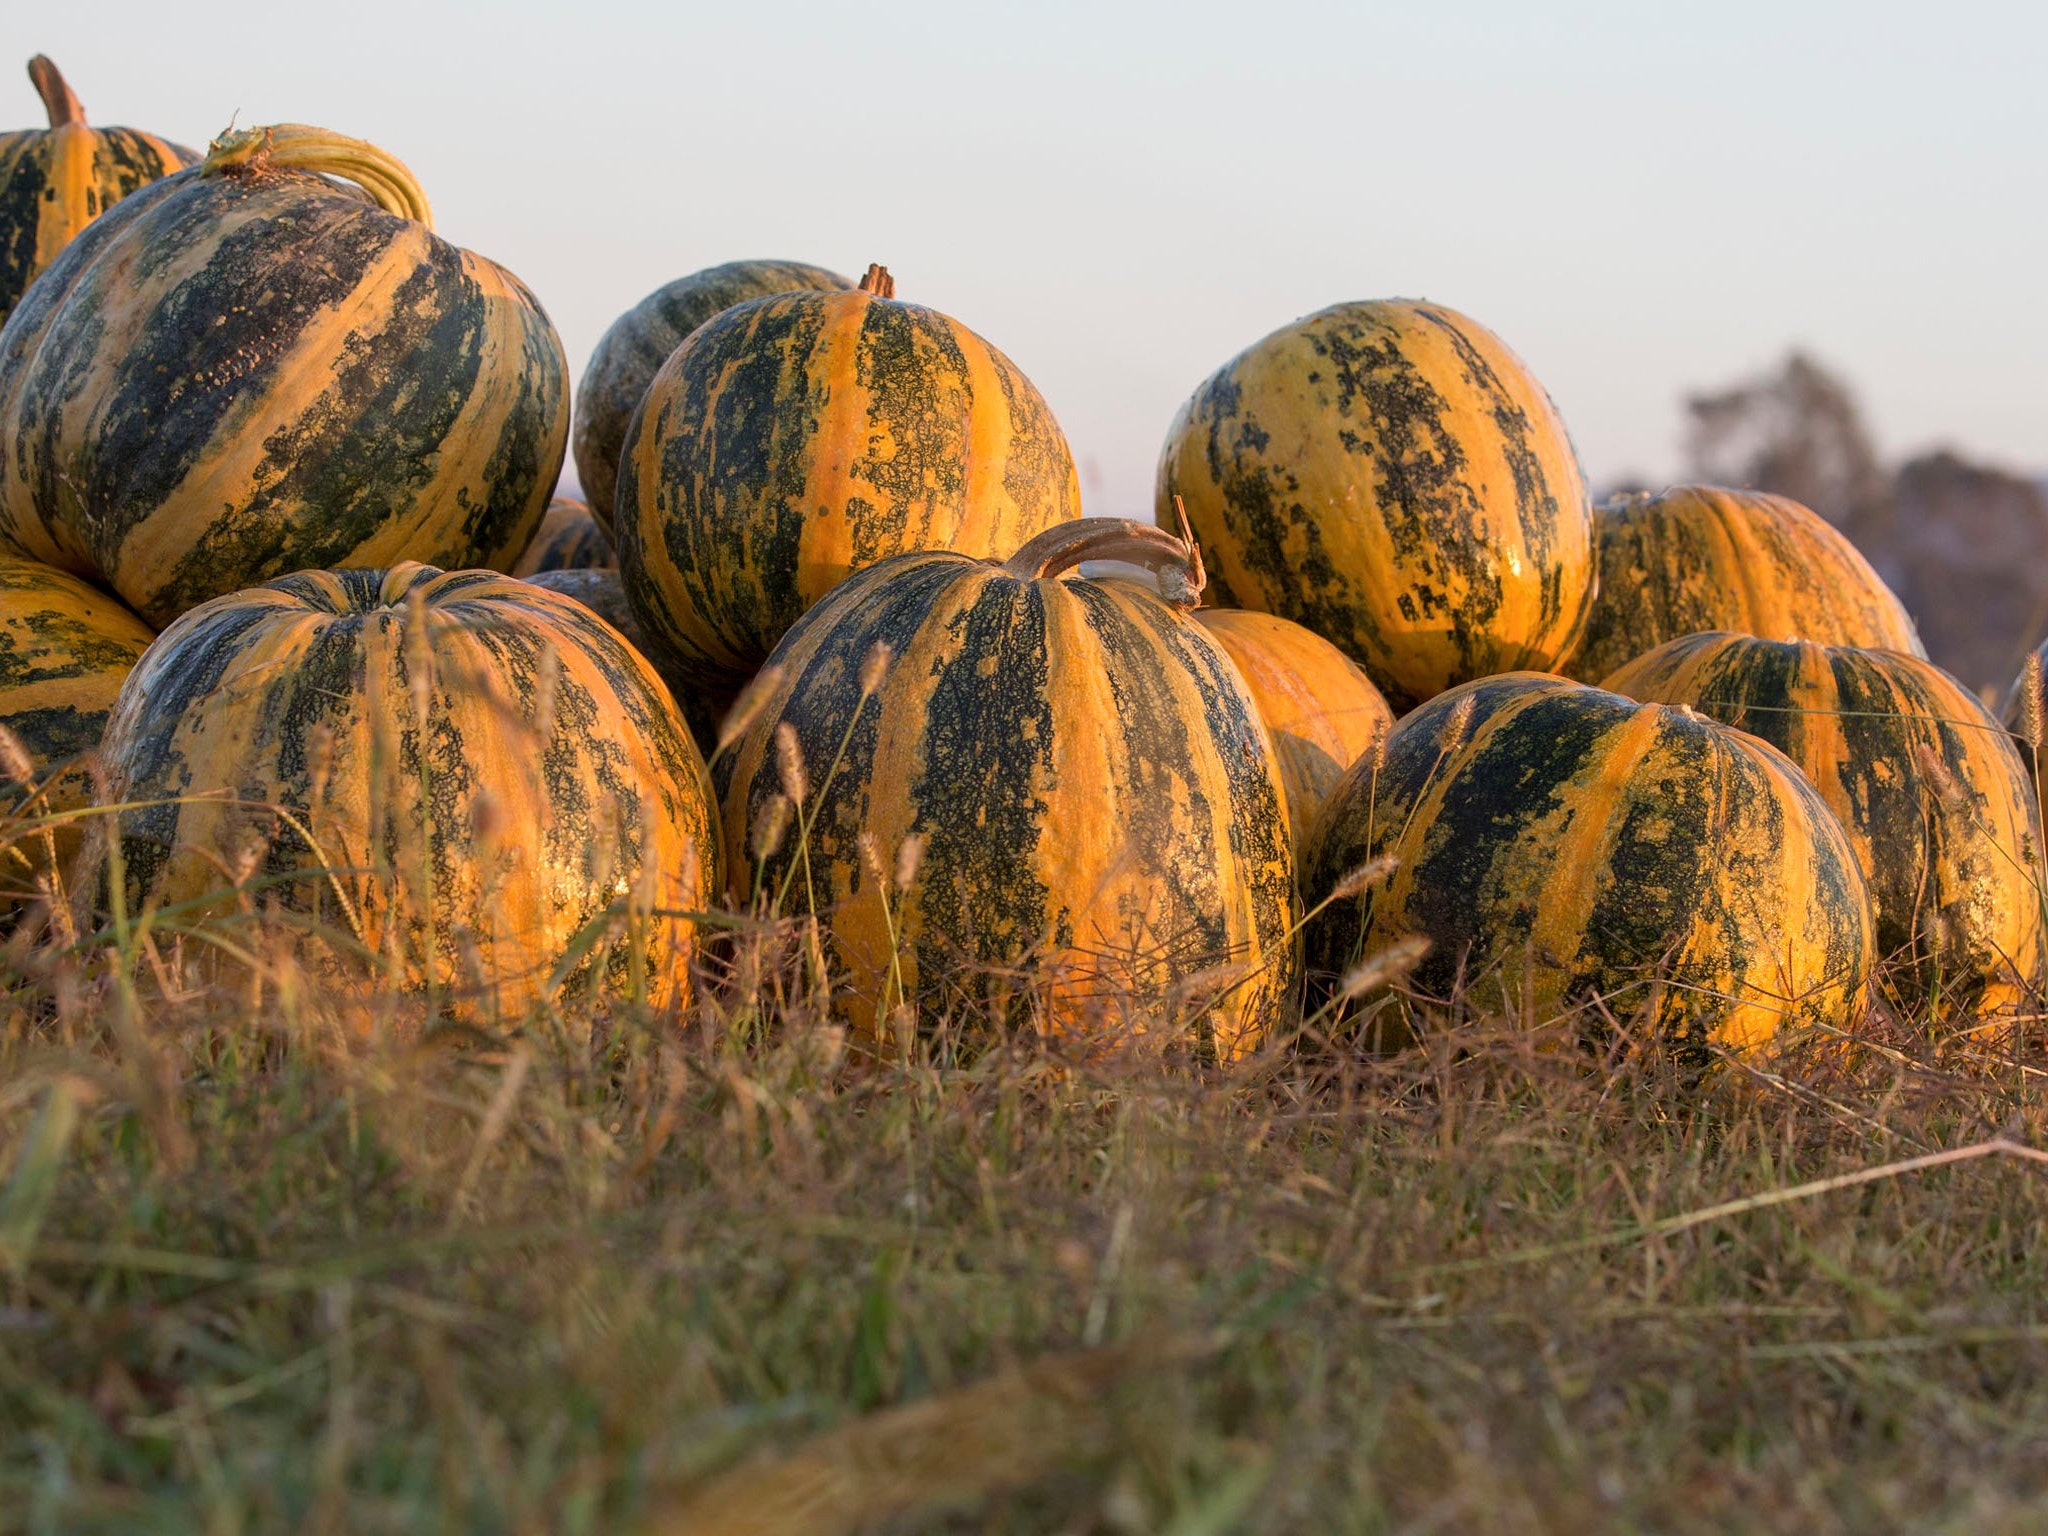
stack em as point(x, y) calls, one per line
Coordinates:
point(731, 412)
point(632, 350)
point(24, 183)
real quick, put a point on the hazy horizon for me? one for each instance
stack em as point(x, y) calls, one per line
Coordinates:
point(1641, 205)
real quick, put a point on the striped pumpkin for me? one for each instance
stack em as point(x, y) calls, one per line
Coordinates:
point(1319, 710)
point(796, 439)
point(64, 650)
point(454, 775)
point(1390, 475)
point(246, 369)
point(1696, 558)
point(1936, 802)
point(569, 539)
point(1100, 814)
point(1557, 843)
point(631, 352)
point(600, 590)
point(54, 181)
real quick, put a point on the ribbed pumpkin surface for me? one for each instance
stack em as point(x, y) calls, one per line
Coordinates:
point(569, 539)
point(793, 440)
point(1697, 558)
point(54, 181)
point(1319, 710)
point(475, 806)
point(631, 352)
point(1559, 843)
point(600, 590)
point(1390, 475)
point(1937, 803)
point(64, 650)
point(1099, 802)
point(231, 377)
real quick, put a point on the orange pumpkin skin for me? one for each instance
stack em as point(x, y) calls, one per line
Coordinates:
point(1321, 712)
point(393, 756)
point(1936, 801)
point(569, 539)
point(1390, 475)
point(1557, 843)
point(1696, 558)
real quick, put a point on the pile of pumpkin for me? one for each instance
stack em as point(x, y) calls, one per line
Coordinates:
point(267, 441)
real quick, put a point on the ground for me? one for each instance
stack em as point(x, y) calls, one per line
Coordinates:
point(273, 1261)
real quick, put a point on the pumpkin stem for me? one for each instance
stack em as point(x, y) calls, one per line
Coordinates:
point(59, 100)
point(296, 146)
point(1175, 563)
point(878, 281)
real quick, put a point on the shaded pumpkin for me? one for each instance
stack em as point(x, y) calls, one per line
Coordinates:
point(633, 348)
point(1937, 804)
point(1558, 844)
point(793, 440)
point(1321, 712)
point(246, 369)
point(456, 778)
point(1093, 814)
point(54, 181)
point(568, 539)
point(601, 591)
point(1696, 558)
point(1390, 475)
point(65, 648)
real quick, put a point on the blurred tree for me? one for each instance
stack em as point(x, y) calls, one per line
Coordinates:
point(1796, 431)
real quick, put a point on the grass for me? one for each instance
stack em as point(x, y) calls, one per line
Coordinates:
point(271, 1264)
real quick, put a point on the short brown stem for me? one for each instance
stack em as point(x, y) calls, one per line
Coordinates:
point(1176, 562)
point(878, 281)
point(59, 100)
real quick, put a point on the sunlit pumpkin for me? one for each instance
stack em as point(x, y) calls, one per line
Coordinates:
point(1696, 558)
point(1937, 804)
point(1009, 790)
point(248, 369)
point(450, 776)
point(1390, 475)
point(796, 439)
point(1558, 845)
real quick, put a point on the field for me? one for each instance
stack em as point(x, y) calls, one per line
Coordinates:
point(276, 1260)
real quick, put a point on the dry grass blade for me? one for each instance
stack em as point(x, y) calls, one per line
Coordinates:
point(1996, 1146)
point(945, 1453)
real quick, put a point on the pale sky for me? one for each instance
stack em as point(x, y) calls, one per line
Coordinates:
point(1641, 198)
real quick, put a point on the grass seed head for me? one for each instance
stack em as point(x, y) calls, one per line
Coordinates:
point(874, 668)
point(1367, 875)
point(2031, 686)
point(909, 859)
point(1386, 967)
point(14, 759)
point(752, 700)
point(772, 828)
point(789, 763)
